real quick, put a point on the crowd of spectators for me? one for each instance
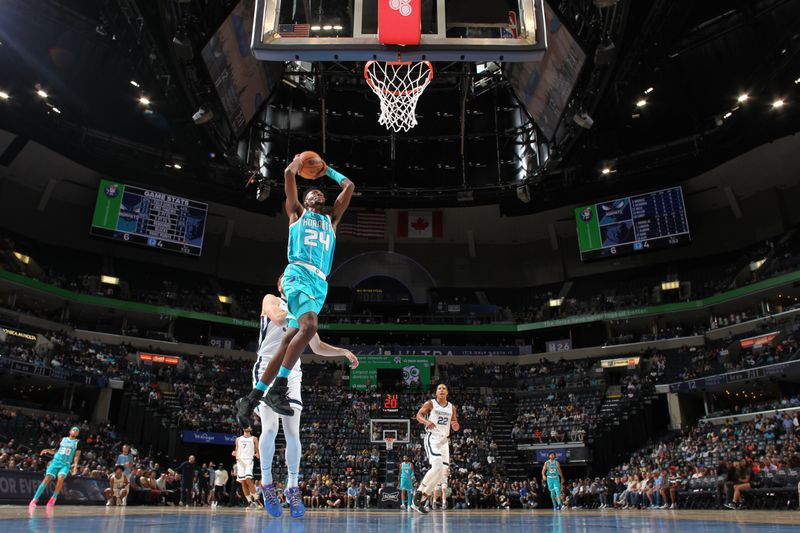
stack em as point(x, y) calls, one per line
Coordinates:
point(61, 351)
point(721, 463)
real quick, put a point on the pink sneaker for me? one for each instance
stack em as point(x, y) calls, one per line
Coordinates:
point(51, 502)
point(32, 504)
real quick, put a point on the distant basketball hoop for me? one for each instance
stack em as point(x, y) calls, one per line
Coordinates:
point(389, 442)
point(398, 85)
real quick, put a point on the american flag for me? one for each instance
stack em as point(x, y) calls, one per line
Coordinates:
point(361, 223)
point(294, 30)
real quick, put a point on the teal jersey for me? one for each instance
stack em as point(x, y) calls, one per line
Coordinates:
point(552, 469)
point(312, 241)
point(406, 470)
point(66, 452)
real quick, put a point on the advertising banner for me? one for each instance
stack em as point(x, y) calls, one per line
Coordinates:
point(207, 437)
point(19, 487)
point(416, 370)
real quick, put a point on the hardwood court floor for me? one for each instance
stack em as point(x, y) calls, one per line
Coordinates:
point(75, 519)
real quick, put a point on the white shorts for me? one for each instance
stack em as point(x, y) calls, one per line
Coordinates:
point(117, 493)
point(244, 469)
point(437, 449)
point(295, 382)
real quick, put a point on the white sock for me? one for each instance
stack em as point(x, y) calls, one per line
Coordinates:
point(294, 450)
point(266, 444)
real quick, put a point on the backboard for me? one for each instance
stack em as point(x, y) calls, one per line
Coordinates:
point(347, 30)
point(379, 429)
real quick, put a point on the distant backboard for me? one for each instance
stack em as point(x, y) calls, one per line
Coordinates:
point(399, 429)
point(347, 30)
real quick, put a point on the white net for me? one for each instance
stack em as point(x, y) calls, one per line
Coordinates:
point(399, 85)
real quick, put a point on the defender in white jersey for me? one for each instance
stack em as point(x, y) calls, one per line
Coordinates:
point(245, 452)
point(439, 417)
point(274, 315)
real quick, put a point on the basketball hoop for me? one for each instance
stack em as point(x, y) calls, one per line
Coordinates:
point(399, 85)
point(389, 442)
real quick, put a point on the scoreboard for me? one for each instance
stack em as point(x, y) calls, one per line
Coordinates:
point(149, 218)
point(632, 224)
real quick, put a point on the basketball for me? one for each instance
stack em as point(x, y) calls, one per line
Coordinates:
point(313, 165)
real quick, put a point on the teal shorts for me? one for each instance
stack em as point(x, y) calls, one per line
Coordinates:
point(305, 293)
point(56, 470)
point(554, 484)
point(406, 483)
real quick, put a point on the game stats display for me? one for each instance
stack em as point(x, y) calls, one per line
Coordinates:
point(632, 224)
point(149, 218)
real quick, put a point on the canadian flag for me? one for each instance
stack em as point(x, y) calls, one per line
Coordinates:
point(419, 224)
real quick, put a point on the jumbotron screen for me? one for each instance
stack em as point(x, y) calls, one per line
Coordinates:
point(632, 224)
point(149, 218)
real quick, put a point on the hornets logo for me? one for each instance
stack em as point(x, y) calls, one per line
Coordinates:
point(112, 190)
point(586, 214)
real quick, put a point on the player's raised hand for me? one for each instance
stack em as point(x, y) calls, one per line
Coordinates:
point(296, 164)
point(352, 358)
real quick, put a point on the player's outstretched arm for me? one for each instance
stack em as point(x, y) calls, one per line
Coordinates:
point(74, 468)
point(326, 350)
point(422, 415)
point(454, 422)
point(255, 443)
point(271, 307)
point(343, 200)
point(293, 207)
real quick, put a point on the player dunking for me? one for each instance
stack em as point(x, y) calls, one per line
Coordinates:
point(438, 416)
point(312, 239)
point(274, 315)
point(552, 474)
point(246, 449)
point(65, 462)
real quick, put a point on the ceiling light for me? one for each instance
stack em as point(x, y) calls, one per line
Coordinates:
point(670, 285)
point(743, 97)
point(4, 95)
point(648, 90)
point(641, 103)
point(42, 93)
point(133, 82)
point(337, 28)
point(109, 280)
point(797, 81)
point(327, 27)
point(777, 104)
point(57, 110)
point(316, 28)
point(177, 166)
point(22, 258)
point(726, 115)
point(144, 100)
point(555, 302)
point(606, 171)
point(224, 299)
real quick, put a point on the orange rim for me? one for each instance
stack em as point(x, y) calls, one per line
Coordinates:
point(397, 93)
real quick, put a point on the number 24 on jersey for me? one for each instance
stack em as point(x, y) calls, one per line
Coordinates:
point(315, 238)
